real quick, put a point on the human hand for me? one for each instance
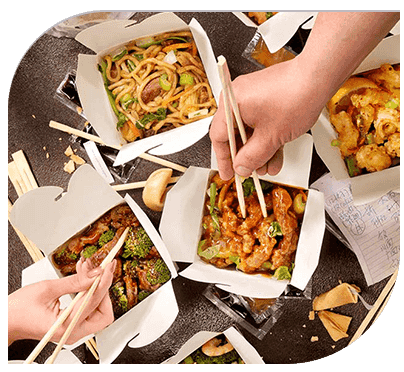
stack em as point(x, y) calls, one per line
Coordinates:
point(33, 309)
point(280, 105)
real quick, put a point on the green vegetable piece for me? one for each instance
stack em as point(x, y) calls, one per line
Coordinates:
point(393, 104)
point(275, 229)
point(106, 237)
point(160, 114)
point(142, 295)
point(212, 195)
point(266, 265)
point(119, 55)
point(89, 251)
point(210, 252)
point(139, 57)
point(248, 187)
point(335, 143)
point(282, 273)
point(188, 360)
point(269, 14)
point(353, 168)
point(159, 274)
point(131, 65)
point(186, 79)
point(235, 259)
point(200, 358)
point(164, 83)
point(137, 243)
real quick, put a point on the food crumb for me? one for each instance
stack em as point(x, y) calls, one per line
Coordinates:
point(69, 151)
point(304, 325)
point(77, 159)
point(79, 110)
point(47, 155)
point(69, 167)
point(314, 338)
point(33, 116)
point(60, 138)
point(333, 346)
point(44, 148)
point(312, 315)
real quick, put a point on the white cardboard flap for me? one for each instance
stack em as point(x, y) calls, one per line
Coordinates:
point(91, 90)
point(49, 222)
point(280, 28)
point(89, 188)
point(246, 351)
point(181, 228)
point(296, 163)
point(146, 322)
point(366, 187)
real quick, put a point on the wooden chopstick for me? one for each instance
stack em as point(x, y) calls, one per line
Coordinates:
point(111, 255)
point(139, 184)
point(226, 75)
point(383, 295)
point(91, 137)
point(23, 180)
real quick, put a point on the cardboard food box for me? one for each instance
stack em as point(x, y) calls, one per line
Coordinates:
point(371, 186)
point(107, 37)
point(240, 344)
point(280, 28)
point(49, 220)
point(181, 229)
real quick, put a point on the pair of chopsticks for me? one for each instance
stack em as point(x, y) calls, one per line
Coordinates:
point(23, 180)
point(111, 255)
point(378, 306)
point(91, 137)
point(231, 107)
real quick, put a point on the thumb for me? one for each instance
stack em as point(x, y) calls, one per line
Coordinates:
point(254, 154)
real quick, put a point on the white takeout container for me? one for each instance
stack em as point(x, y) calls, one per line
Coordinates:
point(50, 220)
point(371, 186)
point(181, 229)
point(246, 351)
point(109, 36)
point(280, 28)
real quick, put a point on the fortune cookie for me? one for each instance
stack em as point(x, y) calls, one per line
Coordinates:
point(338, 296)
point(335, 324)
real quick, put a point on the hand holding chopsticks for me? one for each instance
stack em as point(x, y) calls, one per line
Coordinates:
point(86, 295)
point(231, 107)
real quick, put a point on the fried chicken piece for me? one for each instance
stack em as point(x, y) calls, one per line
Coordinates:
point(393, 145)
point(373, 158)
point(348, 134)
point(387, 77)
point(282, 203)
point(284, 254)
point(387, 122)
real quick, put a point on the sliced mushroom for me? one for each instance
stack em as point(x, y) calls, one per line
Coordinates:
point(154, 192)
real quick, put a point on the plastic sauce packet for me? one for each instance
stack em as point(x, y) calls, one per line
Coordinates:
point(257, 52)
point(257, 316)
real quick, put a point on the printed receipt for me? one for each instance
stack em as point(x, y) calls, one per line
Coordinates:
point(372, 230)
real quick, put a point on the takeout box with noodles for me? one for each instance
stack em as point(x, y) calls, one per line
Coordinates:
point(368, 186)
point(156, 81)
point(186, 220)
point(240, 351)
point(50, 221)
point(279, 28)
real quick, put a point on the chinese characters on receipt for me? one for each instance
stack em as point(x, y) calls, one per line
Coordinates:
point(372, 230)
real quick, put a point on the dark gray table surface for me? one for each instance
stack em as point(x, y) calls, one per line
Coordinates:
point(37, 77)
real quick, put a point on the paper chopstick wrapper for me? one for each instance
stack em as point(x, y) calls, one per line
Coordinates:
point(366, 187)
point(109, 36)
point(46, 218)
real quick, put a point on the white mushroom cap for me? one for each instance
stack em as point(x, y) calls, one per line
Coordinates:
point(156, 187)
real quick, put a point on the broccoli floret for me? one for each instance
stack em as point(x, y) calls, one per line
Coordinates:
point(137, 244)
point(106, 237)
point(282, 273)
point(200, 358)
point(159, 274)
point(89, 251)
point(142, 295)
point(121, 298)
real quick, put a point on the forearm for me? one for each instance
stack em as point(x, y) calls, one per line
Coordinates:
point(338, 44)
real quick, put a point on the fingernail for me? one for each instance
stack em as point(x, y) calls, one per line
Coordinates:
point(242, 171)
